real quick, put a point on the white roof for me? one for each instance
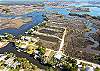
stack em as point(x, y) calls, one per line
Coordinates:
point(23, 46)
point(1, 54)
point(58, 55)
point(79, 66)
point(88, 68)
point(36, 56)
point(36, 51)
point(2, 58)
point(15, 64)
point(2, 36)
point(9, 60)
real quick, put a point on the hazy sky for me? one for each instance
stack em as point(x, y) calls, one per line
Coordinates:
point(22, 0)
point(75, 0)
point(48, 0)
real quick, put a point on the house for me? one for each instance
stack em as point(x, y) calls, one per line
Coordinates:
point(15, 64)
point(89, 68)
point(58, 55)
point(79, 67)
point(2, 57)
point(9, 61)
point(36, 54)
point(23, 45)
point(2, 36)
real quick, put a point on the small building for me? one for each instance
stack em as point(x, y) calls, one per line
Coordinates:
point(2, 57)
point(89, 68)
point(47, 53)
point(9, 61)
point(58, 55)
point(2, 36)
point(36, 52)
point(79, 67)
point(15, 64)
point(26, 38)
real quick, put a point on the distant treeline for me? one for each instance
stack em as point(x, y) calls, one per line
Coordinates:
point(18, 3)
point(84, 16)
point(91, 6)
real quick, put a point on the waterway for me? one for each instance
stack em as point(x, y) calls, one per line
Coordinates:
point(94, 8)
point(36, 19)
point(11, 48)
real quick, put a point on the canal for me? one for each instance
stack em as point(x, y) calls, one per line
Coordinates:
point(11, 48)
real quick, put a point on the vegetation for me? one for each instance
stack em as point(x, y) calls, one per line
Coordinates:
point(1, 64)
point(8, 36)
point(42, 50)
point(0, 38)
point(24, 64)
point(30, 49)
point(66, 63)
point(83, 69)
point(84, 15)
point(97, 69)
point(52, 69)
point(69, 64)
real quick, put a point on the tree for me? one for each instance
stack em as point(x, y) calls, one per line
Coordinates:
point(29, 31)
point(42, 50)
point(97, 69)
point(66, 67)
point(73, 69)
point(35, 28)
point(83, 69)
point(50, 69)
point(12, 69)
point(53, 61)
point(73, 61)
point(0, 38)
point(9, 36)
point(25, 64)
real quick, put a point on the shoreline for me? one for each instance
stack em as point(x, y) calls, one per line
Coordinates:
point(22, 29)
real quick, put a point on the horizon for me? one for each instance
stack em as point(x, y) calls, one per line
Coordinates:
point(46, 0)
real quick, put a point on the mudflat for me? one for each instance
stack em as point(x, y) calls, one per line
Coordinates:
point(6, 23)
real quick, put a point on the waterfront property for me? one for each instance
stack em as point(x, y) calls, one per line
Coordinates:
point(51, 40)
